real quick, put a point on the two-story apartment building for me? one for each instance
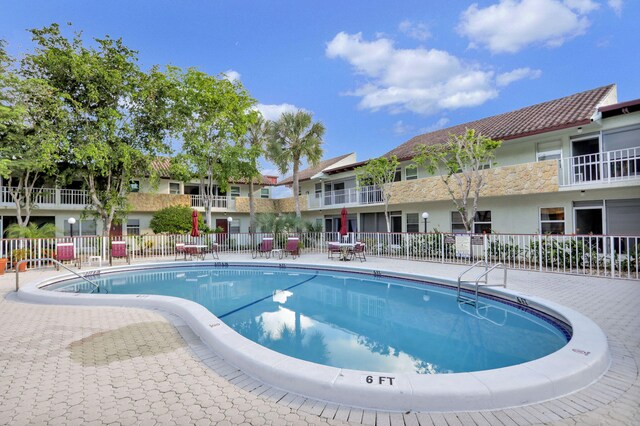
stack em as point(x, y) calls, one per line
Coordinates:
point(57, 205)
point(570, 165)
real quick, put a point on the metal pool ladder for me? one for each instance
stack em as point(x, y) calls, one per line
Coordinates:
point(97, 286)
point(480, 280)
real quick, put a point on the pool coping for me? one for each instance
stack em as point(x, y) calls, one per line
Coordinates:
point(578, 364)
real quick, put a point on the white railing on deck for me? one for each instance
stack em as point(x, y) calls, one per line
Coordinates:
point(598, 255)
point(353, 196)
point(601, 167)
point(49, 196)
point(218, 202)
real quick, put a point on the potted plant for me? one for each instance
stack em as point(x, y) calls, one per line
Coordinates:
point(20, 254)
point(3, 265)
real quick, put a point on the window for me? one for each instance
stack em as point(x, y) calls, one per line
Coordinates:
point(319, 223)
point(134, 186)
point(81, 227)
point(234, 227)
point(481, 223)
point(174, 188)
point(413, 224)
point(552, 220)
point(549, 151)
point(398, 176)
point(235, 191)
point(133, 227)
point(264, 193)
point(411, 173)
point(318, 190)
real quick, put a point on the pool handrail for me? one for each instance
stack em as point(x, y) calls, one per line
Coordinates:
point(57, 262)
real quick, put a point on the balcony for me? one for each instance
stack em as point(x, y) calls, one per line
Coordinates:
point(606, 167)
point(347, 197)
point(50, 197)
point(219, 203)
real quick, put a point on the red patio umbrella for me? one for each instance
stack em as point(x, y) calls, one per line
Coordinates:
point(343, 222)
point(194, 224)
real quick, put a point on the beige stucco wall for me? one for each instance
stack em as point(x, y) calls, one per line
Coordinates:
point(146, 202)
point(530, 178)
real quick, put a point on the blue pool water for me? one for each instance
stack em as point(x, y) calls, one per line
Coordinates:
point(352, 320)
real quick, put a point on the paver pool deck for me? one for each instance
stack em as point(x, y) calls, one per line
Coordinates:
point(113, 365)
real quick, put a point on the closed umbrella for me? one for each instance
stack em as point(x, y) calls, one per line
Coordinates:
point(194, 224)
point(343, 222)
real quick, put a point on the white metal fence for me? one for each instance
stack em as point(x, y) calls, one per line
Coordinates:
point(598, 255)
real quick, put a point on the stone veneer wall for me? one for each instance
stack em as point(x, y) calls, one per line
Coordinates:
point(521, 179)
point(262, 205)
point(148, 202)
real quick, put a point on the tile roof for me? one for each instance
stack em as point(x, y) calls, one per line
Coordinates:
point(307, 173)
point(162, 166)
point(557, 114)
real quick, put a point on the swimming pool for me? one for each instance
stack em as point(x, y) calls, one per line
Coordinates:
point(318, 310)
point(349, 320)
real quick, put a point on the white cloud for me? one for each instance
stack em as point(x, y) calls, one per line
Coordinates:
point(511, 25)
point(232, 75)
point(582, 6)
point(616, 5)
point(417, 30)
point(436, 126)
point(420, 80)
point(507, 78)
point(273, 112)
point(400, 128)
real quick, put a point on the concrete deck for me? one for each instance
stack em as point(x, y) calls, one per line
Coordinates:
point(110, 365)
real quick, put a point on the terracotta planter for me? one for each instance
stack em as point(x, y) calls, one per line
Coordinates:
point(22, 267)
point(3, 265)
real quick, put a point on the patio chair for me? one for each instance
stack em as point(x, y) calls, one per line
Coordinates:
point(213, 249)
point(333, 248)
point(264, 248)
point(358, 252)
point(180, 251)
point(195, 251)
point(119, 251)
point(292, 248)
point(66, 252)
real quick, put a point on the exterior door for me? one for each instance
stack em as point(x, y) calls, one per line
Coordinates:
point(222, 236)
point(116, 230)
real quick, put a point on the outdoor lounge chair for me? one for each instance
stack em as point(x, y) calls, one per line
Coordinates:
point(180, 252)
point(213, 249)
point(264, 248)
point(292, 247)
point(358, 251)
point(119, 251)
point(67, 252)
point(333, 248)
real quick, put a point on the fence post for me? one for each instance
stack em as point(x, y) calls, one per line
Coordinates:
point(613, 257)
point(540, 251)
point(442, 248)
point(486, 251)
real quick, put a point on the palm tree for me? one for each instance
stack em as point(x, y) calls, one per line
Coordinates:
point(292, 138)
point(256, 139)
point(47, 230)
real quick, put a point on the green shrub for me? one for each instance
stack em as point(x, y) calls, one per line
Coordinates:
point(174, 220)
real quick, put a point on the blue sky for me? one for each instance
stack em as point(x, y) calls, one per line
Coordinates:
point(376, 73)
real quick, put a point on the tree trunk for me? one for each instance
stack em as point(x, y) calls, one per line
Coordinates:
point(296, 187)
point(252, 212)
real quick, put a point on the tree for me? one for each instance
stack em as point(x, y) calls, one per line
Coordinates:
point(461, 161)
point(118, 115)
point(293, 138)
point(30, 231)
point(173, 220)
point(32, 135)
point(379, 173)
point(256, 140)
point(213, 114)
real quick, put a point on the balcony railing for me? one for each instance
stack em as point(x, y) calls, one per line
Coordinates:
point(50, 197)
point(344, 197)
point(226, 203)
point(601, 167)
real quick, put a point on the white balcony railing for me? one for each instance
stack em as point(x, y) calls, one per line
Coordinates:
point(601, 167)
point(226, 203)
point(344, 197)
point(50, 197)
